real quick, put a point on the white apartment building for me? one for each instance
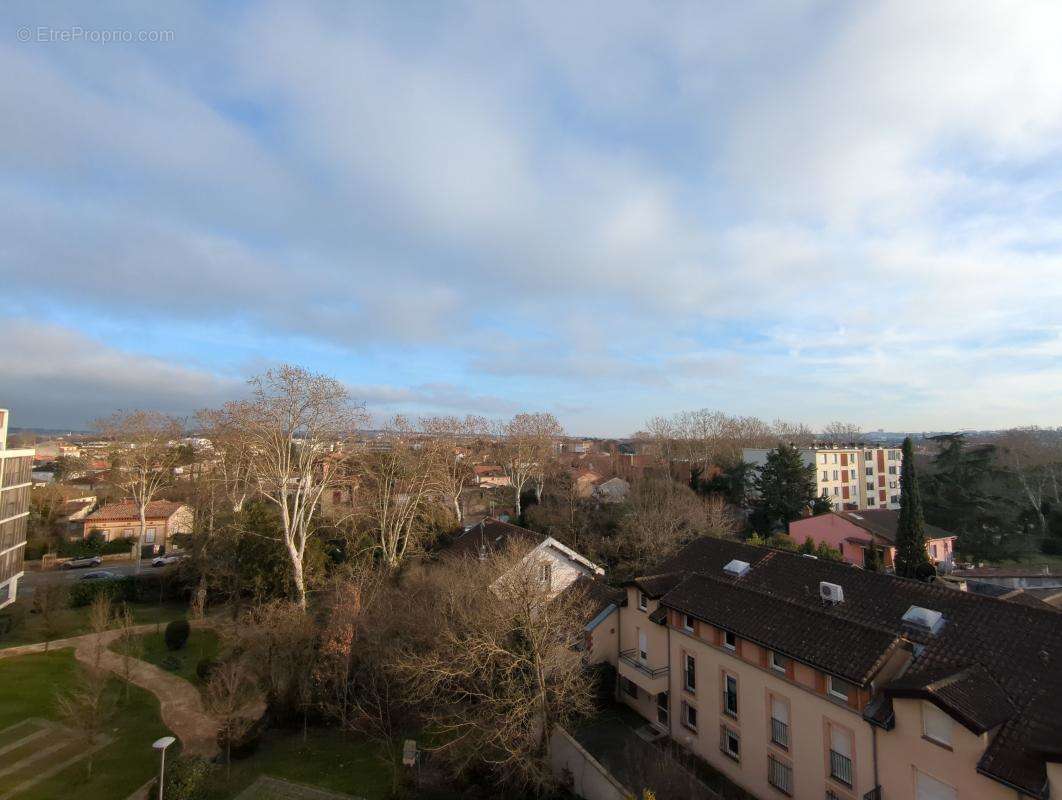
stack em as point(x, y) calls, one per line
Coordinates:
point(15, 483)
point(855, 478)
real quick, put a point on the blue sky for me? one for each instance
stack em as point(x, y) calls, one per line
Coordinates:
point(799, 210)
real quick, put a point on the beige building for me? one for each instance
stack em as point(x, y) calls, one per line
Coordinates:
point(122, 521)
point(853, 477)
point(805, 678)
point(15, 484)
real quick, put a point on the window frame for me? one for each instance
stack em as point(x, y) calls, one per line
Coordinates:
point(688, 623)
point(835, 694)
point(929, 737)
point(689, 670)
point(643, 601)
point(784, 669)
point(726, 645)
point(727, 694)
point(687, 708)
point(726, 734)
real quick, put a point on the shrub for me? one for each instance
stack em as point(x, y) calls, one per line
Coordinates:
point(205, 668)
point(83, 593)
point(35, 550)
point(1051, 547)
point(11, 620)
point(245, 743)
point(177, 633)
point(187, 779)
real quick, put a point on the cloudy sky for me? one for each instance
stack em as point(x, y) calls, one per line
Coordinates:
point(608, 210)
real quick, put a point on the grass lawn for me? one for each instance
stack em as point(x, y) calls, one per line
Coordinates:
point(202, 643)
point(328, 758)
point(28, 687)
point(73, 621)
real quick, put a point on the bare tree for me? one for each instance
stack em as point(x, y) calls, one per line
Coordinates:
point(842, 433)
point(499, 665)
point(456, 469)
point(87, 707)
point(231, 466)
point(145, 454)
point(398, 482)
point(524, 445)
point(49, 601)
point(131, 647)
point(663, 516)
point(280, 648)
point(1033, 457)
point(288, 431)
point(720, 520)
point(795, 433)
point(229, 692)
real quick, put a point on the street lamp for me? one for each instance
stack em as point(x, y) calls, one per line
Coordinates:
point(161, 746)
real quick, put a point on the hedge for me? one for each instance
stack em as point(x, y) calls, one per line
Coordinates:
point(130, 588)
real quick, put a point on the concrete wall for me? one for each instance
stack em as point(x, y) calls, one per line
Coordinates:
point(603, 640)
point(589, 778)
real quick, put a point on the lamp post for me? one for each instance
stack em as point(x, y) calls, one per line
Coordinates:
point(161, 746)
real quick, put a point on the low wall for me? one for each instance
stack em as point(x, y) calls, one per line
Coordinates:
point(590, 780)
point(37, 565)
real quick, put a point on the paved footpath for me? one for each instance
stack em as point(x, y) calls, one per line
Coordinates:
point(180, 702)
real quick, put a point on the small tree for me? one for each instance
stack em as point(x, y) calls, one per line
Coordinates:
point(228, 694)
point(132, 647)
point(910, 528)
point(49, 601)
point(87, 708)
point(523, 446)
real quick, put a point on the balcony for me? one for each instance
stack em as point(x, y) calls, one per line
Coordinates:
point(840, 768)
point(780, 775)
point(651, 679)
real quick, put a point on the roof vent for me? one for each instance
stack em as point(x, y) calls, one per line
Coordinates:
point(924, 619)
point(737, 569)
point(831, 593)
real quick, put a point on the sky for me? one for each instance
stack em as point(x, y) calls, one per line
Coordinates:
point(813, 211)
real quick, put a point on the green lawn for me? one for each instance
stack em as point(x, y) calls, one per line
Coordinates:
point(29, 627)
point(202, 643)
point(328, 759)
point(28, 687)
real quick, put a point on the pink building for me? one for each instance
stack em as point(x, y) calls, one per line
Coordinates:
point(853, 532)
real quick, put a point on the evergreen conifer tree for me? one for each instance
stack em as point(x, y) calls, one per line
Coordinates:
point(910, 529)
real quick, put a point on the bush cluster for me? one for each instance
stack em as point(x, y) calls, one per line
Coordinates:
point(131, 588)
point(177, 633)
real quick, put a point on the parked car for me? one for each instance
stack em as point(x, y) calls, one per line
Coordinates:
point(169, 558)
point(100, 575)
point(87, 561)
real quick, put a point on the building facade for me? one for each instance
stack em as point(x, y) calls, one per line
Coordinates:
point(853, 477)
point(853, 533)
point(121, 520)
point(863, 686)
point(15, 484)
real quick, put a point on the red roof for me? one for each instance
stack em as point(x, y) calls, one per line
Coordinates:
point(127, 510)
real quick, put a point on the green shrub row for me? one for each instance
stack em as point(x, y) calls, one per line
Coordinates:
point(131, 588)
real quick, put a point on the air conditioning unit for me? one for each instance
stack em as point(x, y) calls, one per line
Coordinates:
point(831, 592)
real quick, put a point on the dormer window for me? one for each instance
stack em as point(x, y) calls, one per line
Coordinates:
point(729, 640)
point(780, 663)
point(687, 623)
point(835, 687)
point(643, 601)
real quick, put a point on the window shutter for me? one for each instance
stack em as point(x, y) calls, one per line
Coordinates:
point(936, 724)
point(932, 789)
point(840, 742)
point(780, 710)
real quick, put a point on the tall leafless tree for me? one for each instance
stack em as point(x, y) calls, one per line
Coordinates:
point(456, 468)
point(289, 432)
point(145, 454)
point(523, 446)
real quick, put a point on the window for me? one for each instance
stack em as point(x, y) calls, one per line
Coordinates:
point(868, 455)
point(840, 755)
point(730, 695)
point(823, 458)
point(825, 475)
point(545, 574)
point(662, 707)
point(689, 673)
point(895, 499)
point(870, 500)
point(643, 645)
point(933, 550)
point(892, 470)
point(729, 640)
point(834, 458)
point(870, 472)
point(836, 491)
point(149, 536)
point(927, 788)
point(127, 533)
point(643, 601)
point(689, 716)
point(730, 743)
point(780, 721)
point(687, 623)
point(630, 687)
point(835, 474)
point(780, 775)
point(936, 725)
point(779, 663)
point(838, 688)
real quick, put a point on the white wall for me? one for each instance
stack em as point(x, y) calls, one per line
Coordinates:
point(590, 779)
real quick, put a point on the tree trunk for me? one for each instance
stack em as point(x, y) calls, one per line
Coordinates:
point(457, 508)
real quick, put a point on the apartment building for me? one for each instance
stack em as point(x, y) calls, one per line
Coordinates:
point(805, 678)
point(15, 484)
point(854, 477)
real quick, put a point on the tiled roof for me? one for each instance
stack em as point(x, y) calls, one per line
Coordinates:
point(598, 593)
point(882, 522)
point(492, 535)
point(73, 506)
point(1019, 647)
point(156, 509)
point(970, 695)
point(1031, 571)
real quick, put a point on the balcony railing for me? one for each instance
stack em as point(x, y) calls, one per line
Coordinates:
point(780, 775)
point(779, 733)
point(631, 657)
point(840, 768)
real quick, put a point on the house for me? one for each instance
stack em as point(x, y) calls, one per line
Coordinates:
point(584, 480)
point(16, 483)
point(853, 533)
point(72, 512)
point(563, 568)
point(1032, 576)
point(854, 477)
point(613, 490)
point(806, 678)
point(122, 521)
point(490, 476)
